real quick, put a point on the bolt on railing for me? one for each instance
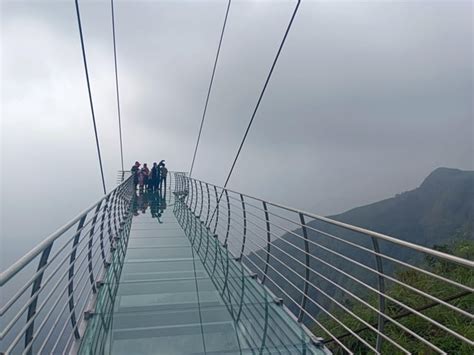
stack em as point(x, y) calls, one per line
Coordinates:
point(351, 285)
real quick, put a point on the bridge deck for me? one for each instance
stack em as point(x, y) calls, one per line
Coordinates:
point(169, 302)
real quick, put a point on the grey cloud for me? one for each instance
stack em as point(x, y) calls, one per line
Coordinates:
point(368, 97)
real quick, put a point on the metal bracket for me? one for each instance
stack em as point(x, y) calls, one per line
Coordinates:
point(99, 283)
point(278, 301)
point(317, 341)
point(88, 314)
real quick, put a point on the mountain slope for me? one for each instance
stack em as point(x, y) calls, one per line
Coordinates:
point(440, 210)
point(431, 214)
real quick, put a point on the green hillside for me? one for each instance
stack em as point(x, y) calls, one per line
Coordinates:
point(439, 212)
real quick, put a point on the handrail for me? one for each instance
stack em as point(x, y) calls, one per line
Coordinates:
point(361, 230)
point(69, 263)
point(6, 275)
point(290, 256)
point(310, 272)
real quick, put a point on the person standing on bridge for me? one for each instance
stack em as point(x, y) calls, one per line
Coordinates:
point(163, 174)
point(146, 173)
point(155, 177)
point(135, 169)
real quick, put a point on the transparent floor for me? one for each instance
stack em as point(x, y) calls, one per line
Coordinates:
point(182, 293)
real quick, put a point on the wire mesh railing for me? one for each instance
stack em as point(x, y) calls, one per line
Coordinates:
point(48, 294)
point(360, 290)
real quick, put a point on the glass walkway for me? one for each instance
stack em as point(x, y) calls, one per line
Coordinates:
point(179, 293)
point(208, 270)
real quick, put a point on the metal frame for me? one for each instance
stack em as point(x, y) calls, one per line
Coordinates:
point(294, 254)
point(70, 263)
point(253, 232)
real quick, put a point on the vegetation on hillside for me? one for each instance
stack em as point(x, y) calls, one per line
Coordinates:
point(442, 314)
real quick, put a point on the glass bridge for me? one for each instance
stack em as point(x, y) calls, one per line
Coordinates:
point(198, 269)
point(183, 293)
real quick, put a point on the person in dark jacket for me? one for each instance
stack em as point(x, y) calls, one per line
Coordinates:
point(155, 177)
point(163, 174)
point(135, 168)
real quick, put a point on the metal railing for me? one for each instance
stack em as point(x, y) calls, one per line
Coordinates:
point(49, 293)
point(360, 290)
point(253, 308)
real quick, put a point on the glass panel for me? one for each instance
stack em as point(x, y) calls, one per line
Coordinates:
point(182, 294)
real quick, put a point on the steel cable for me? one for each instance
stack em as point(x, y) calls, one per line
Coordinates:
point(210, 86)
point(90, 95)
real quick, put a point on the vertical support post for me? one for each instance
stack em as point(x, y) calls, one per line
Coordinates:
point(208, 204)
point(101, 235)
point(171, 181)
point(217, 210)
point(89, 247)
point(267, 258)
point(228, 218)
point(307, 268)
point(381, 288)
point(244, 237)
point(36, 286)
point(191, 194)
point(109, 217)
point(116, 204)
point(202, 199)
point(197, 195)
point(70, 286)
point(188, 192)
point(176, 183)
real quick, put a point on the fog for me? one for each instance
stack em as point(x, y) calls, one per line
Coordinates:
point(368, 98)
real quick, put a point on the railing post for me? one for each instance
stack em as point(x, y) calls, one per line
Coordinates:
point(267, 259)
point(202, 199)
point(188, 189)
point(109, 216)
point(101, 235)
point(208, 204)
point(217, 211)
point(36, 286)
point(196, 199)
point(171, 181)
point(244, 237)
point(116, 204)
point(89, 253)
point(70, 287)
point(176, 183)
point(307, 268)
point(191, 194)
point(228, 218)
point(381, 289)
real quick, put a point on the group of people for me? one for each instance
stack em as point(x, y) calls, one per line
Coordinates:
point(153, 179)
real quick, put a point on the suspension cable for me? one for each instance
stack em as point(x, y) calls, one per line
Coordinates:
point(117, 84)
point(262, 93)
point(90, 95)
point(258, 103)
point(210, 87)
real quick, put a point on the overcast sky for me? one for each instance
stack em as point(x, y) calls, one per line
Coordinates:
point(368, 98)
